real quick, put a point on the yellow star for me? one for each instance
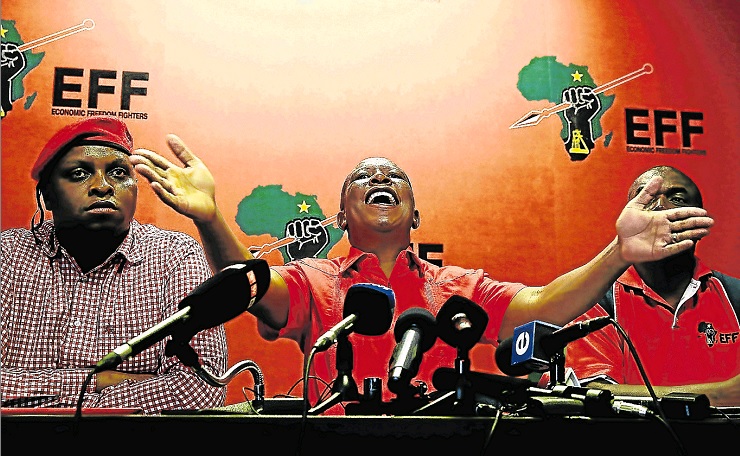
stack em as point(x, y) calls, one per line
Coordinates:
point(576, 76)
point(304, 207)
point(2, 31)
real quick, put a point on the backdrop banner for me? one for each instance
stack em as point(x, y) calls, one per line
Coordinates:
point(521, 124)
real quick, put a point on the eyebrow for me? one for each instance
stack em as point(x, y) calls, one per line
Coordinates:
point(118, 161)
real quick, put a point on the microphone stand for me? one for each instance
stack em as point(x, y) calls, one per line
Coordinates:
point(557, 368)
point(187, 355)
point(345, 387)
point(463, 384)
point(462, 367)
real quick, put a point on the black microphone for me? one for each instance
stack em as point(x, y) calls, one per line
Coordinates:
point(217, 300)
point(534, 343)
point(562, 337)
point(415, 333)
point(461, 322)
point(368, 310)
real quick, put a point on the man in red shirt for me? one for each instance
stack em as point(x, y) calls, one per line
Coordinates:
point(677, 312)
point(378, 212)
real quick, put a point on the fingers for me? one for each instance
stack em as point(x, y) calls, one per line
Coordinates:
point(151, 159)
point(164, 195)
point(689, 223)
point(696, 215)
point(678, 247)
point(181, 151)
point(648, 192)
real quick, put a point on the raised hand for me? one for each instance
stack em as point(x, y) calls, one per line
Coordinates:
point(190, 189)
point(645, 235)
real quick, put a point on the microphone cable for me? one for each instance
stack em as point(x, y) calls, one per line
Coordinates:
point(78, 408)
point(661, 416)
point(494, 426)
point(306, 403)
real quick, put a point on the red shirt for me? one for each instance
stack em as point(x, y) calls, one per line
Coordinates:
point(317, 290)
point(699, 343)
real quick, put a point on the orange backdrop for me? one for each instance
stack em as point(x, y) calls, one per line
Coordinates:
point(295, 92)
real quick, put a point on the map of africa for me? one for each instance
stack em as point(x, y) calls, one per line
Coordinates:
point(544, 79)
point(269, 207)
point(8, 33)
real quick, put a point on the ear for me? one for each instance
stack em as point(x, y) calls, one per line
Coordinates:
point(48, 198)
point(341, 220)
point(416, 221)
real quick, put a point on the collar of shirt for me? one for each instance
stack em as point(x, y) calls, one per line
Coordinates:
point(630, 277)
point(127, 249)
point(356, 255)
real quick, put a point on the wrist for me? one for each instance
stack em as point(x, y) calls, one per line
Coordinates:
point(209, 218)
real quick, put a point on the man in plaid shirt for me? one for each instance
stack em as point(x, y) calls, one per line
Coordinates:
point(78, 286)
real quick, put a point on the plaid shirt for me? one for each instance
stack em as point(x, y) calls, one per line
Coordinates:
point(58, 322)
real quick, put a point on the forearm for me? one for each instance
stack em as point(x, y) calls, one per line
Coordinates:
point(110, 378)
point(43, 382)
point(220, 243)
point(568, 296)
point(573, 293)
point(177, 389)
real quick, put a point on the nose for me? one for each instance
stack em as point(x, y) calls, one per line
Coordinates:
point(99, 184)
point(379, 177)
point(660, 203)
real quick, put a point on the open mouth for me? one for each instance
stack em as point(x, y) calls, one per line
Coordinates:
point(101, 205)
point(381, 197)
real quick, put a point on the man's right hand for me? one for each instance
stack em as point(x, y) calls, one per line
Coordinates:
point(190, 189)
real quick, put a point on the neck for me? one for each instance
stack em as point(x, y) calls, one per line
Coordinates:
point(386, 249)
point(669, 277)
point(89, 248)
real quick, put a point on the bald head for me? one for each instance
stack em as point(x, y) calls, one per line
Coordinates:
point(367, 168)
point(677, 187)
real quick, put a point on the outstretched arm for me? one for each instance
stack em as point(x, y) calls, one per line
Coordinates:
point(643, 235)
point(191, 191)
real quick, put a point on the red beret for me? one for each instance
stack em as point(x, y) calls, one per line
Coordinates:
point(101, 130)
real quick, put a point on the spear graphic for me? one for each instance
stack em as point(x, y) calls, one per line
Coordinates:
point(87, 24)
point(534, 117)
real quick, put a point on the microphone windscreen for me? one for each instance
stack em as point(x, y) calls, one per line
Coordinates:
point(503, 359)
point(423, 320)
point(227, 294)
point(466, 337)
point(373, 305)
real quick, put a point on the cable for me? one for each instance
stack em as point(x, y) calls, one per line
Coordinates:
point(306, 403)
point(499, 412)
point(661, 417)
point(78, 408)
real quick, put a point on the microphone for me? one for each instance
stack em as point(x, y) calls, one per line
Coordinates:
point(415, 333)
point(239, 286)
point(368, 310)
point(534, 343)
point(461, 322)
point(597, 402)
point(563, 336)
